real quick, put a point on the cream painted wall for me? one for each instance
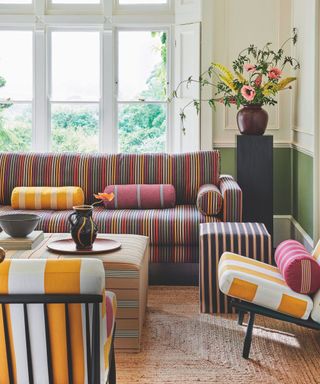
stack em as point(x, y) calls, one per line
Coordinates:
point(236, 25)
point(304, 104)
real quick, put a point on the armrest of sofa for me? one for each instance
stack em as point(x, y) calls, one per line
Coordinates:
point(232, 199)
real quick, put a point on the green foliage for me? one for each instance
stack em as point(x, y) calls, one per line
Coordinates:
point(75, 129)
point(142, 128)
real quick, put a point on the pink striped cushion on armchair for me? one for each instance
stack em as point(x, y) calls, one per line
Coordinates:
point(300, 271)
point(141, 196)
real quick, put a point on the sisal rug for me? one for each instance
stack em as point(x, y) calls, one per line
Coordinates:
point(182, 346)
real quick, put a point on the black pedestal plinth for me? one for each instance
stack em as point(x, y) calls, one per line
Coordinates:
point(255, 177)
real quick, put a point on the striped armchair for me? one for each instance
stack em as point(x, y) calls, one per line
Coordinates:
point(56, 322)
point(173, 232)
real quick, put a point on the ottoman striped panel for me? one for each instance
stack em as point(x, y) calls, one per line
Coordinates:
point(246, 239)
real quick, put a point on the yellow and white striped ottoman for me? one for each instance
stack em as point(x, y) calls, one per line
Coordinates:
point(261, 284)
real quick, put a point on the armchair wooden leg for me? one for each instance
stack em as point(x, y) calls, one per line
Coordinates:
point(248, 338)
point(240, 317)
point(112, 365)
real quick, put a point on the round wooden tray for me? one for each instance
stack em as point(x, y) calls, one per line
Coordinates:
point(68, 246)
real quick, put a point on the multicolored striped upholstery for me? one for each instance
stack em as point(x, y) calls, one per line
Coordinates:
point(72, 276)
point(141, 196)
point(177, 227)
point(232, 199)
point(93, 172)
point(174, 226)
point(261, 284)
point(247, 239)
point(209, 200)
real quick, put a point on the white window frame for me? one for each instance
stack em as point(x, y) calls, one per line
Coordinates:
point(51, 101)
point(116, 102)
point(73, 9)
point(142, 8)
point(41, 21)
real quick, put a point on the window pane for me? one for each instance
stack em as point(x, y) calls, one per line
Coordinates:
point(142, 65)
point(16, 64)
point(75, 127)
point(75, 1)
point(142, 2)
point(75, 66)
point(142, 128)
point(16, 128)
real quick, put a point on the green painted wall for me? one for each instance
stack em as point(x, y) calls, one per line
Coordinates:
point(302, 189)
point(293, 183)
point(281, 176)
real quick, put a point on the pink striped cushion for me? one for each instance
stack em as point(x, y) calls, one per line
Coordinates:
point(300, 271)
point(141, 196)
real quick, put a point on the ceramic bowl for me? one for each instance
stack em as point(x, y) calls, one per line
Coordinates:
point(19, 224)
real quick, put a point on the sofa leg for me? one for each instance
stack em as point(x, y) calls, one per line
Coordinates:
point(248, 338)
point(240, 317)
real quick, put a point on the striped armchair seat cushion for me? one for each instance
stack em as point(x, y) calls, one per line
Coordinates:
point(262, 284)
point(172, 226)
point(72, 276)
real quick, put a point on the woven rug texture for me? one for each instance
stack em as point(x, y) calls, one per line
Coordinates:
point(180, 345)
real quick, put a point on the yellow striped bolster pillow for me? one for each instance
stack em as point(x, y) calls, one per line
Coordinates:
point(55, 198)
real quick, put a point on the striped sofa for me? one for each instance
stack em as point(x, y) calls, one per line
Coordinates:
point(173, 233)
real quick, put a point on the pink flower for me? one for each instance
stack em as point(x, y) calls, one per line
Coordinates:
point(248, 92)
point(274, 73)
point(249, 67)
point(258, 81)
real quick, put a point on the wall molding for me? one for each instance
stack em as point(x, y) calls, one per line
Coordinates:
point(297, 147)
point(286, 227)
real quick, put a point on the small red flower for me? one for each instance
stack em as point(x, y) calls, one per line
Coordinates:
point(274, 73)
point(249, 67)
point(258, 81)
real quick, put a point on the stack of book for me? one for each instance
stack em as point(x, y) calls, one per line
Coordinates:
point(22, 243)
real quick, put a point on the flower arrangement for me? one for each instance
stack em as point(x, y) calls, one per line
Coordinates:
point(257, 77)
point(101, 197)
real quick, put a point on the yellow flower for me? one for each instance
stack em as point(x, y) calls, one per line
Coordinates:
point(283, 83)
point(226, 72)
point(269, 89)
point(227, 82)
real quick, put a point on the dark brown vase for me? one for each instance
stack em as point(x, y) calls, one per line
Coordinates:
point(252, 120)
point(83, 229)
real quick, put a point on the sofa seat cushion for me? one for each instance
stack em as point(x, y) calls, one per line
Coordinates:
point(262, 284)
point(172, 226)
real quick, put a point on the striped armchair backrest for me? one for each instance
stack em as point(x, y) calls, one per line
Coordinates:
point(52, 343)
point(93, 172)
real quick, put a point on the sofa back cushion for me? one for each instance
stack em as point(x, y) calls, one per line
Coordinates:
point(186, 172)
point(92, 172)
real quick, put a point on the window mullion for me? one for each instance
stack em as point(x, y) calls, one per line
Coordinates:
point(40, 136)
point(107, 129)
